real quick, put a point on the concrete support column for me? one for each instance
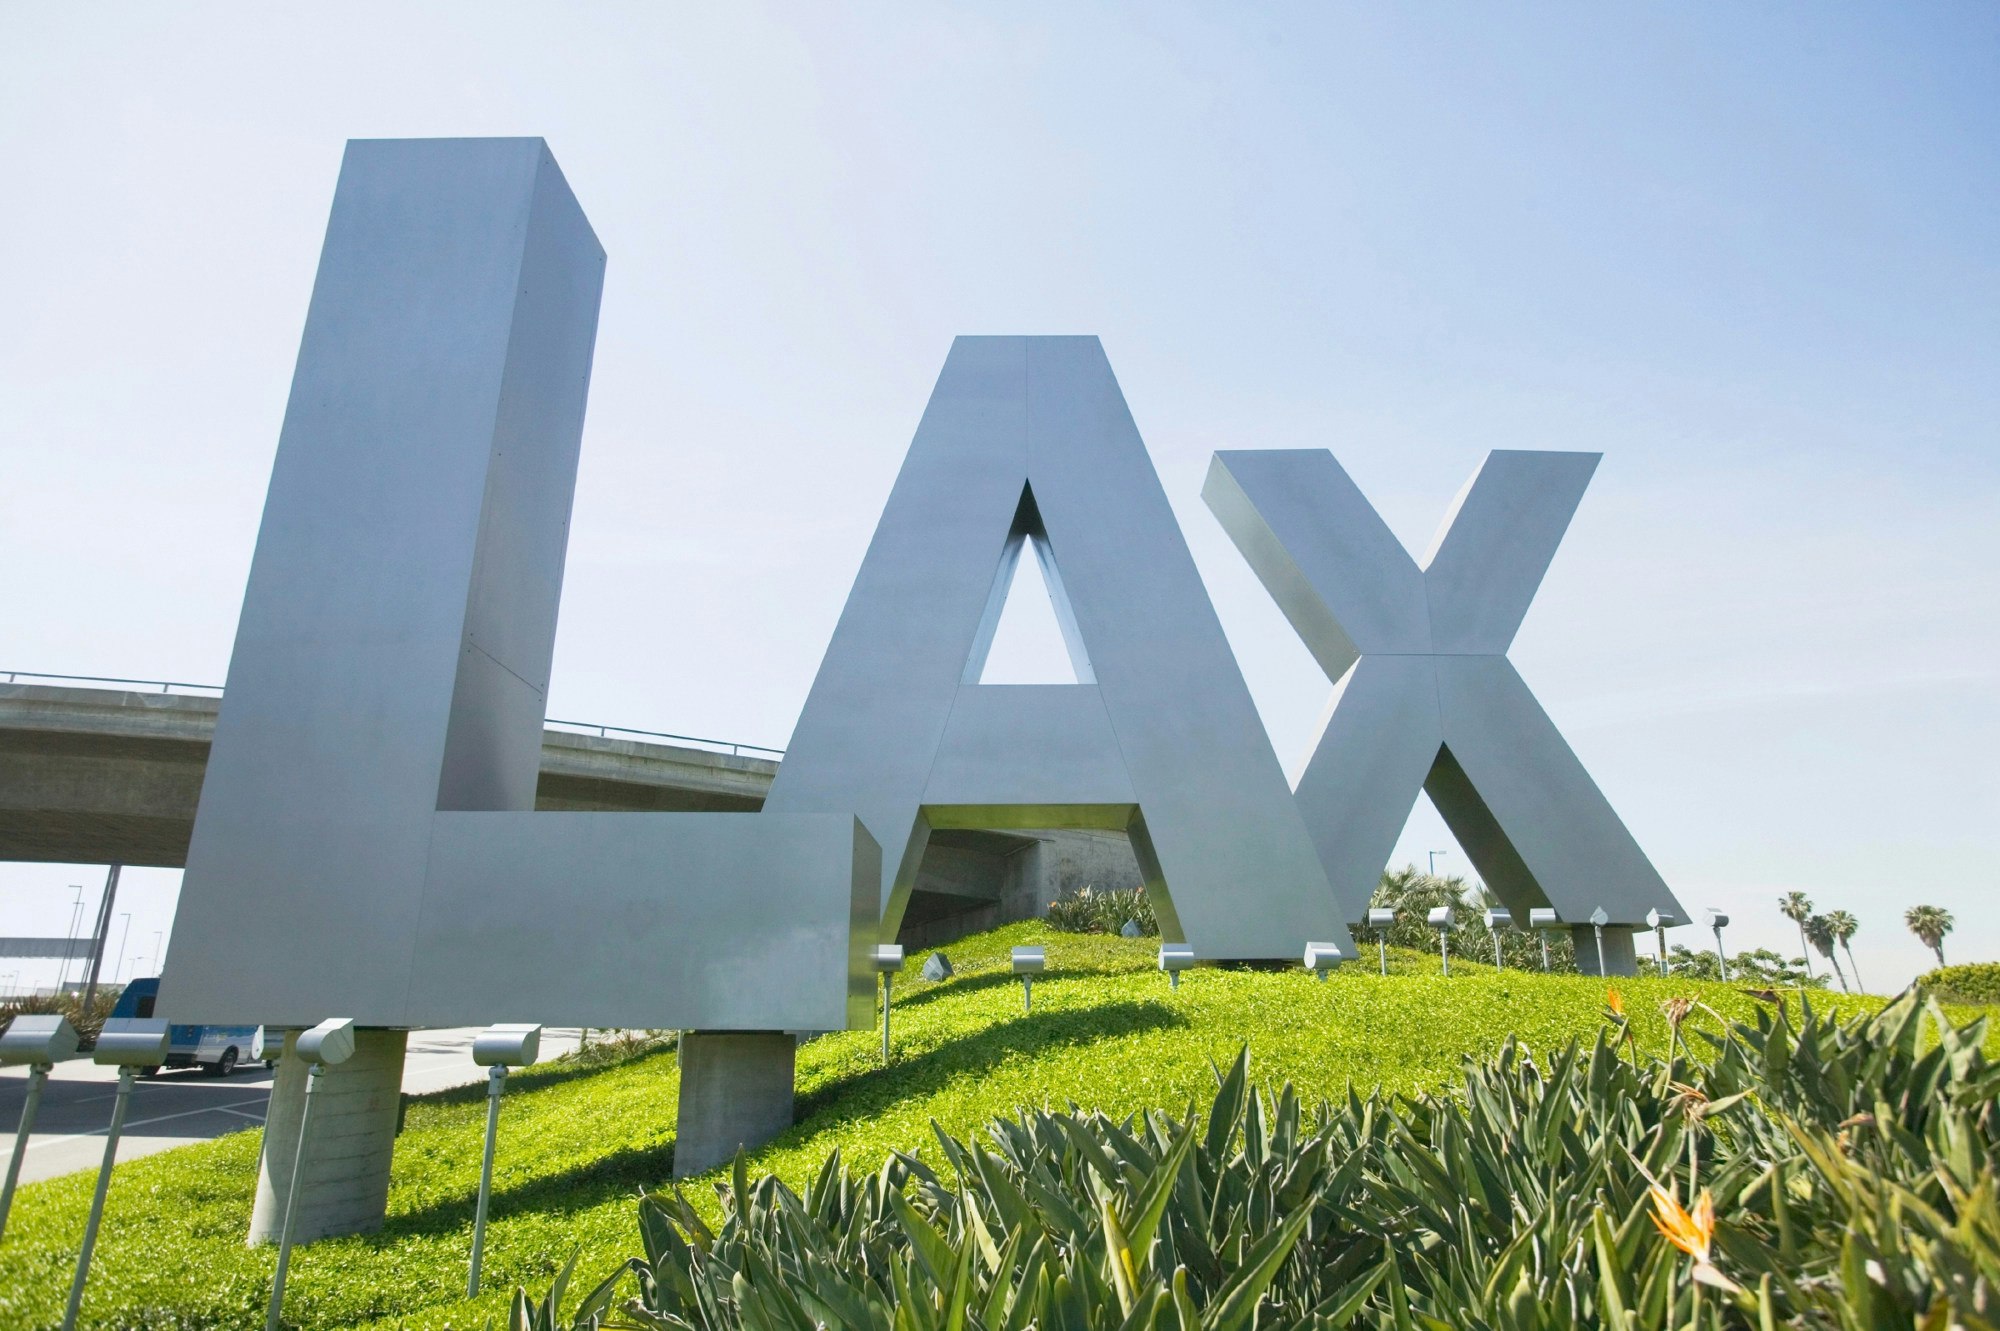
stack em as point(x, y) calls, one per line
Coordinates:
point(1620, 957)
point(344, 1186)
point(736, 1093)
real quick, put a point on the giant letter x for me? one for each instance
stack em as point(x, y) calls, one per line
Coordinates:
point(1424, 695)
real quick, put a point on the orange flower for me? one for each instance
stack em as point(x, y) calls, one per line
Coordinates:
point(1616, 1004)
point(1691, 1232)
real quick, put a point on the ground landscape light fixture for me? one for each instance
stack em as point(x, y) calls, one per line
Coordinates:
point(1598, 919)
point(1658, 921)
point(40, 1043)
point(496, 1049)
point(1542, 919)
point(326, 1045)
point(1718, 922)
point(1175, 958)
point(1441, 919)
point(1498, 918)
point(1028, 963)
point(128, 1044)
point(1381, 919)
point(1322, 957)
point(888, 959)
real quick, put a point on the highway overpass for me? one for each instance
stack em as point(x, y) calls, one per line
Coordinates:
point(111, 775)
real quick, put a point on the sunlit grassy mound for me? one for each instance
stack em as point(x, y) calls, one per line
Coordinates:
point(1106, 1033)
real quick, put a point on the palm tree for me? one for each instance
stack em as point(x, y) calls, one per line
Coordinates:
point(1844, 927)
point(1797, 907)
point(1931, 924)
point(1819, 931)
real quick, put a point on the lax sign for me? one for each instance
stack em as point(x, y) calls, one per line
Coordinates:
point(366, 841)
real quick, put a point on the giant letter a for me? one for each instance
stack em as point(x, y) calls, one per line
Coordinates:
point(1027, 439)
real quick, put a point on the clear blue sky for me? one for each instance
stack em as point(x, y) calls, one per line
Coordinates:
point(1752, 254)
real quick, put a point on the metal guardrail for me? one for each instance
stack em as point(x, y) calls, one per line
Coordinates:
point(163, 685)
point(730, 747)
point(719, 745)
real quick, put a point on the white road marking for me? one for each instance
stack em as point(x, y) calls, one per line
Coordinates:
point(99, 1132)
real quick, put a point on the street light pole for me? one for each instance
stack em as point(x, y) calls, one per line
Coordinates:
point(124, 937)
point(75, 914)
point(96, 970)
point(1434, 861)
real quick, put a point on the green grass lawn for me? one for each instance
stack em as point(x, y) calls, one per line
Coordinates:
point(1106, 1032)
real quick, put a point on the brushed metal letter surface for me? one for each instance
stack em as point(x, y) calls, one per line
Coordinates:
point(1424, 696)
point(365, 842)
point(1029, 439)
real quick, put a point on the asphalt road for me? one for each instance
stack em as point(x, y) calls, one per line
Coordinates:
point(187, 1105)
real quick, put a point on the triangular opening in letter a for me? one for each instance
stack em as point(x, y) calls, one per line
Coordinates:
point(1028, 634)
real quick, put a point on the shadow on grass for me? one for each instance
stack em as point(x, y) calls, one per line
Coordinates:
point(534, 1080)
point(962, 983)
point(609, 1177)
point(860, 1095)
point(970, 982)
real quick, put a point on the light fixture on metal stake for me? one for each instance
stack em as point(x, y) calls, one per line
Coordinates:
point(1441, 920)
point(326, 1045)
point(1498, 918)
point(888, 960)
point(1322, 957)
point(1716, 921)
point(128, 1044)
point(1175, 958)
point(1541, 919)
point(1598, 919)
point(1381, 919)
point(1657, 921)
point(1028, 963)
point(496, 1049)
point(41, 1043)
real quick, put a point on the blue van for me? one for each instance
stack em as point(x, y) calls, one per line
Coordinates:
point(216, 1050)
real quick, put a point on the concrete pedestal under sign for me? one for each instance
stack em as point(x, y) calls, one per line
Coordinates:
point(736, 1094)
point(1620, 957)
point(344, 1187)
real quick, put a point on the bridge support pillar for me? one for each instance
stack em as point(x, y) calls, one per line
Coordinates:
point(1620, 957)
point(736, 1093)
point(344, 1186)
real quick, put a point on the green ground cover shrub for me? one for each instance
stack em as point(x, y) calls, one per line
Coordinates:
point(577, 1145)
point(1845, 1178)
point(1093, 910)
point(1752, 966)
point(1413, 894)
point(1975, 982)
